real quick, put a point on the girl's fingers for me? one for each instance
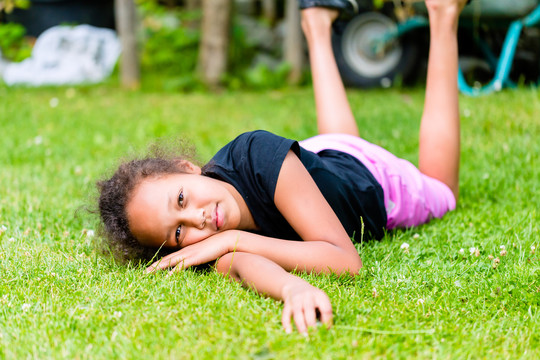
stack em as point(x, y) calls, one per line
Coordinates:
point(286, 318)
point(179, 267)
point(164, 263)
point(309, 313)
point(325, 311)
point(300, 320)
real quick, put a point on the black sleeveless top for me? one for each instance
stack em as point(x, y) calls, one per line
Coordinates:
point(252, 162)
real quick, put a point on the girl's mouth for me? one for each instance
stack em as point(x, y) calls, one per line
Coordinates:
point(218, 220)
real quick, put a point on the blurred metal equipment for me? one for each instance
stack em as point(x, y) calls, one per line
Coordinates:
point(380, 46)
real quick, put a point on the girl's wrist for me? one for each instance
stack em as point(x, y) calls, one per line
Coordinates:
point(231, 239)
point(289, 285)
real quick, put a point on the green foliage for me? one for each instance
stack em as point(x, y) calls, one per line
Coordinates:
point(9, 5)
point(14, 45)
point(171, 50)
point(171, 46)
point(242, 72)
point(262, 77)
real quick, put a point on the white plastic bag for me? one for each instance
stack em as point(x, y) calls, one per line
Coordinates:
point(67, 55)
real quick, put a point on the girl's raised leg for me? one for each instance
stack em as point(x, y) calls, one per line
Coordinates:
point(334, 114)
point(439, 129)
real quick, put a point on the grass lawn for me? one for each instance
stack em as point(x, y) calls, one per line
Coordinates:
point(59, 299)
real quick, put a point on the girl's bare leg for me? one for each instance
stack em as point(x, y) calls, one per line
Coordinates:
point(334, 114)
point(439, 129)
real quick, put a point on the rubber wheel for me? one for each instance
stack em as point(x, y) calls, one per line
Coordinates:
point(360, 64)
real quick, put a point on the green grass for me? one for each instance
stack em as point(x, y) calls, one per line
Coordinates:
point(59, 299)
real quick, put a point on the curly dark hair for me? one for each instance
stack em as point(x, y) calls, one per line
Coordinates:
point(116, 191)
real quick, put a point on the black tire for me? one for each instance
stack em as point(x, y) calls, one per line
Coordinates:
point(357, 61)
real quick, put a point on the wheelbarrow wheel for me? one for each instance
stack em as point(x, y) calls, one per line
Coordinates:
point(364, 60)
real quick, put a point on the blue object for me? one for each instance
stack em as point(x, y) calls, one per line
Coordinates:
point(503, 64)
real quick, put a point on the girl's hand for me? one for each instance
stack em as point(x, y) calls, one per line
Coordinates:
point(199, 253)
point(306, 304)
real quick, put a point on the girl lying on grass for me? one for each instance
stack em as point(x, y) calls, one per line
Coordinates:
point(265, 205)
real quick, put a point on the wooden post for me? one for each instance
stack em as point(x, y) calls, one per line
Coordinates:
point(126, 17)
point(293, 46)
point(215, 38)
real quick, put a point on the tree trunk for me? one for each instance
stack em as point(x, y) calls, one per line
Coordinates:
point(269, 10)
point(130, 73)
point(193, 4)
point(293, 46)
point(214, 46)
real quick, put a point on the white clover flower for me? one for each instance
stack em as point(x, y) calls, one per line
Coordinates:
point(38, 140)
point(117, 314)
point(25, 307)
point(477, 252)
point(472, 250)
point(404, 246)
point(90, 233)
point(503, 247)
point(496, 263)
point(533, 249)
point(490, 257)
point(503, 252)
point(416, 236)
point(420, 301)
point(11, 239)
point(54, 102)
point(461, 251)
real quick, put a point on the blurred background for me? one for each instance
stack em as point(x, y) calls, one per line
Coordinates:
point(184, 45)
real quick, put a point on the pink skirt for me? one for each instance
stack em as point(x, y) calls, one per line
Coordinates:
point(410, 197)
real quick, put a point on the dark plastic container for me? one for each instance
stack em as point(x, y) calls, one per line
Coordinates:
point(43, 14)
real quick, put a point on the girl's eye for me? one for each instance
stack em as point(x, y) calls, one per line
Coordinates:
point(177, 235)
point(181, 198)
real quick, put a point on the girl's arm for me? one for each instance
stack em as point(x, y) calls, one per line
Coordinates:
point(301, 300)
point(326, 246)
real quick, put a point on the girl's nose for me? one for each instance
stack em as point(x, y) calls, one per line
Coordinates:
point(194, 217)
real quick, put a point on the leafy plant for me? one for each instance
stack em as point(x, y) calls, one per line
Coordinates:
point(9, 5)
point(171, 46)
point(263, 77)
point(14, 45)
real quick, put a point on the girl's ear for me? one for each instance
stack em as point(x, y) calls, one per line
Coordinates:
point(189, 167)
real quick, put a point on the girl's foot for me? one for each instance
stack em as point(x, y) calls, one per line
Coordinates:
point(318, 19)
point(446, 5)
point(347, 8)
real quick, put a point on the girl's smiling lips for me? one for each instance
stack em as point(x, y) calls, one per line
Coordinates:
point(217, 220)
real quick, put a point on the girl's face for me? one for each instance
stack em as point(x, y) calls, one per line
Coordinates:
point(178, 210)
